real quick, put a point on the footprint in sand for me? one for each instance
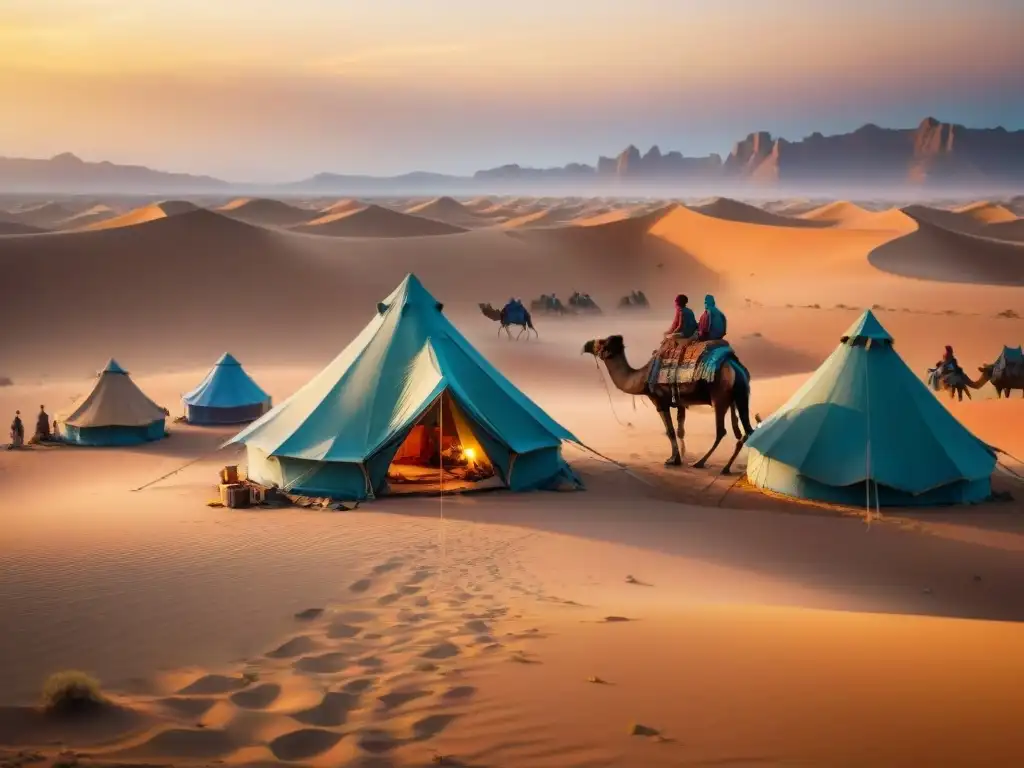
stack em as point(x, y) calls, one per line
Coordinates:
point(388, 599)
point(309, 614)
point(409, 589)
point(303, 744)
point(477, 625)
point(419, 576)
point(360, 586)
point(193, 709)
point(458, 693)
point(339, 630)
point(443, 650)
point(360, 685)
point(355, 617)
point(390, 565)
point(421, 602)
point(297, 646)
point(370, 662)
point(257, 697)
point(372, 636)
point(431, 726)
point(377, 742)
point(325, 664)
point(331, 712)
point(615, 619)
point(426, 666)
point(213, 685)
point(396, 699)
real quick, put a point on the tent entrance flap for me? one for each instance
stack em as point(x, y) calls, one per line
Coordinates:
point(441, 452)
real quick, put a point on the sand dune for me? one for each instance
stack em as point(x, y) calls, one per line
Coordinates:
point(44, 215)
point(145, 214)
point(94, 215)
point(379, 222)
point(852, 216)
point(341, 206)
point(8, 227)
point(546, 217)
point(933, 252)
point(985, 212)
point(266, 212)
point(734, 210)
point(448, 210)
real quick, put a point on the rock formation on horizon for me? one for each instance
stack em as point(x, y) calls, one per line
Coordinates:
point(67, 172)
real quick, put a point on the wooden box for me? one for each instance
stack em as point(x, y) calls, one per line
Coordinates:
point(229, 475)
point(239, 496)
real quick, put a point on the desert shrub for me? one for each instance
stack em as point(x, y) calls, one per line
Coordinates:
point(5, 381)
point(71, 691)
point(1010, 314)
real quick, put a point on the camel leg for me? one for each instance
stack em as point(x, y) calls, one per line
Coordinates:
point(720, 408)
point(675, 459)
point(519, 335)
point(735, 422)
point(681, 428)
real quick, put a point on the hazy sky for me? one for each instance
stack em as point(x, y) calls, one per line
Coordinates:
point(280, 89)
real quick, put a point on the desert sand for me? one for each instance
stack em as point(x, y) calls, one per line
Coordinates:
point(661, 617)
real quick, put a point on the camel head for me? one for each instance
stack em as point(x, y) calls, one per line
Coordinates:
point(986, 372)
point(604, 348)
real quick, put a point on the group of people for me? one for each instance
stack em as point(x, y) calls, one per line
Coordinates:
point(711, 325)
point(43, 432)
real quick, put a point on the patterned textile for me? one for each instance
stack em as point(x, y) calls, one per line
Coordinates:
point(514, 314)
point(1009, 363)
point(681, 361)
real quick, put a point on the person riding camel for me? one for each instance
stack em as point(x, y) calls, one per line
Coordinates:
point(685, 322)
point(712, 323)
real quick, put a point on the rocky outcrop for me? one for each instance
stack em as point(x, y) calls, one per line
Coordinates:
point(68, 173)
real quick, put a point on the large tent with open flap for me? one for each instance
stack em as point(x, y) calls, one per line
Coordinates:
point(115, 412)
point(864, 423)
point(409, 380)
point(227, 395)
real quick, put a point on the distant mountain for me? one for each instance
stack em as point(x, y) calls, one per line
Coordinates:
point(933, 155)
point(66, 173)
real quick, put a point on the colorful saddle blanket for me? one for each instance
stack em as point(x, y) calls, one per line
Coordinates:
point(680, 361)
point(514, 314)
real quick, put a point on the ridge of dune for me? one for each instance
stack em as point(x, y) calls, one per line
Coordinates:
point(265, 211)
point(8, 227)
point(448, 210)
point(478, 204)
point(733, 210)
point(44, 215)
point(344, 205)
point(844, 214)
point(933, 252)
point(985, 212)
point(545, 217)
point(145, 214)
point(93, 215)
point(1012, 230)
point(377, 222)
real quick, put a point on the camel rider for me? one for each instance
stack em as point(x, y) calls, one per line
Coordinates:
point(712, 323)
point(685, 322)
point(948, 365)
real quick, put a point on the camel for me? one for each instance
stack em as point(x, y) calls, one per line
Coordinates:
point(500, 316)
point(1006, 378)
point(957, 386)
point(730, 391)
point(634, 300)
point(549, 305)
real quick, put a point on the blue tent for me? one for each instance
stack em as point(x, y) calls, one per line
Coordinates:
point(226, 396)
point(338, 435)
point(115, 412)
point(864, 422)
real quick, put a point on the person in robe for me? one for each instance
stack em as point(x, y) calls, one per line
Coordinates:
point(685, 322)
point(712, 323)
point(42, 424)
point(17, 431)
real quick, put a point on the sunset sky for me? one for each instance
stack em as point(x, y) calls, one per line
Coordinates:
point(280, 89)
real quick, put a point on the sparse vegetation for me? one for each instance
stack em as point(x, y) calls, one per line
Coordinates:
point(878, 307)
point(5, 381)
point(72, 692)
point(1009, 314)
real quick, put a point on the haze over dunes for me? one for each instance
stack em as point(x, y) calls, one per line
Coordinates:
point(377, 221)
point(449, 211)
point(266, 212)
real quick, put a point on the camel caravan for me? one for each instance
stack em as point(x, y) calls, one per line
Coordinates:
point(515, 314)
point(1005, 374)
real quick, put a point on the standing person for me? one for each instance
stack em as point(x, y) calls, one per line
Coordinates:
point(712, 324)
point(17, 431)
point(42, 424)
point(685, 322)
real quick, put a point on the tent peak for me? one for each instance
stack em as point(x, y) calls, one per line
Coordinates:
point(113, 367)
point(410, 292)
point(228, 359)
point(866, 329)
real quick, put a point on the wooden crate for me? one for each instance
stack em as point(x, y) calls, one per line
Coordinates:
point(229, 475)
point(239, 496)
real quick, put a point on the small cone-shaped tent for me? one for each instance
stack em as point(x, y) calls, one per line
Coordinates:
point(864, 422)
point(115, 412)
point(226, 396)
point(338, 435)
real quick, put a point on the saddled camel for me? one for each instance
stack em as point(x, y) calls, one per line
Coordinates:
point(729, 392)
point(1005, 377)
point(500, 316)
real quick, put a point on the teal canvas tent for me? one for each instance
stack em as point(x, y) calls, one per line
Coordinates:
point(227, 395)
point(865, 423)
point(408, 372)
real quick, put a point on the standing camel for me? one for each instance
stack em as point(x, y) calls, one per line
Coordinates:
point(1006, 374)
point(730, 391)
point(500, 316)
